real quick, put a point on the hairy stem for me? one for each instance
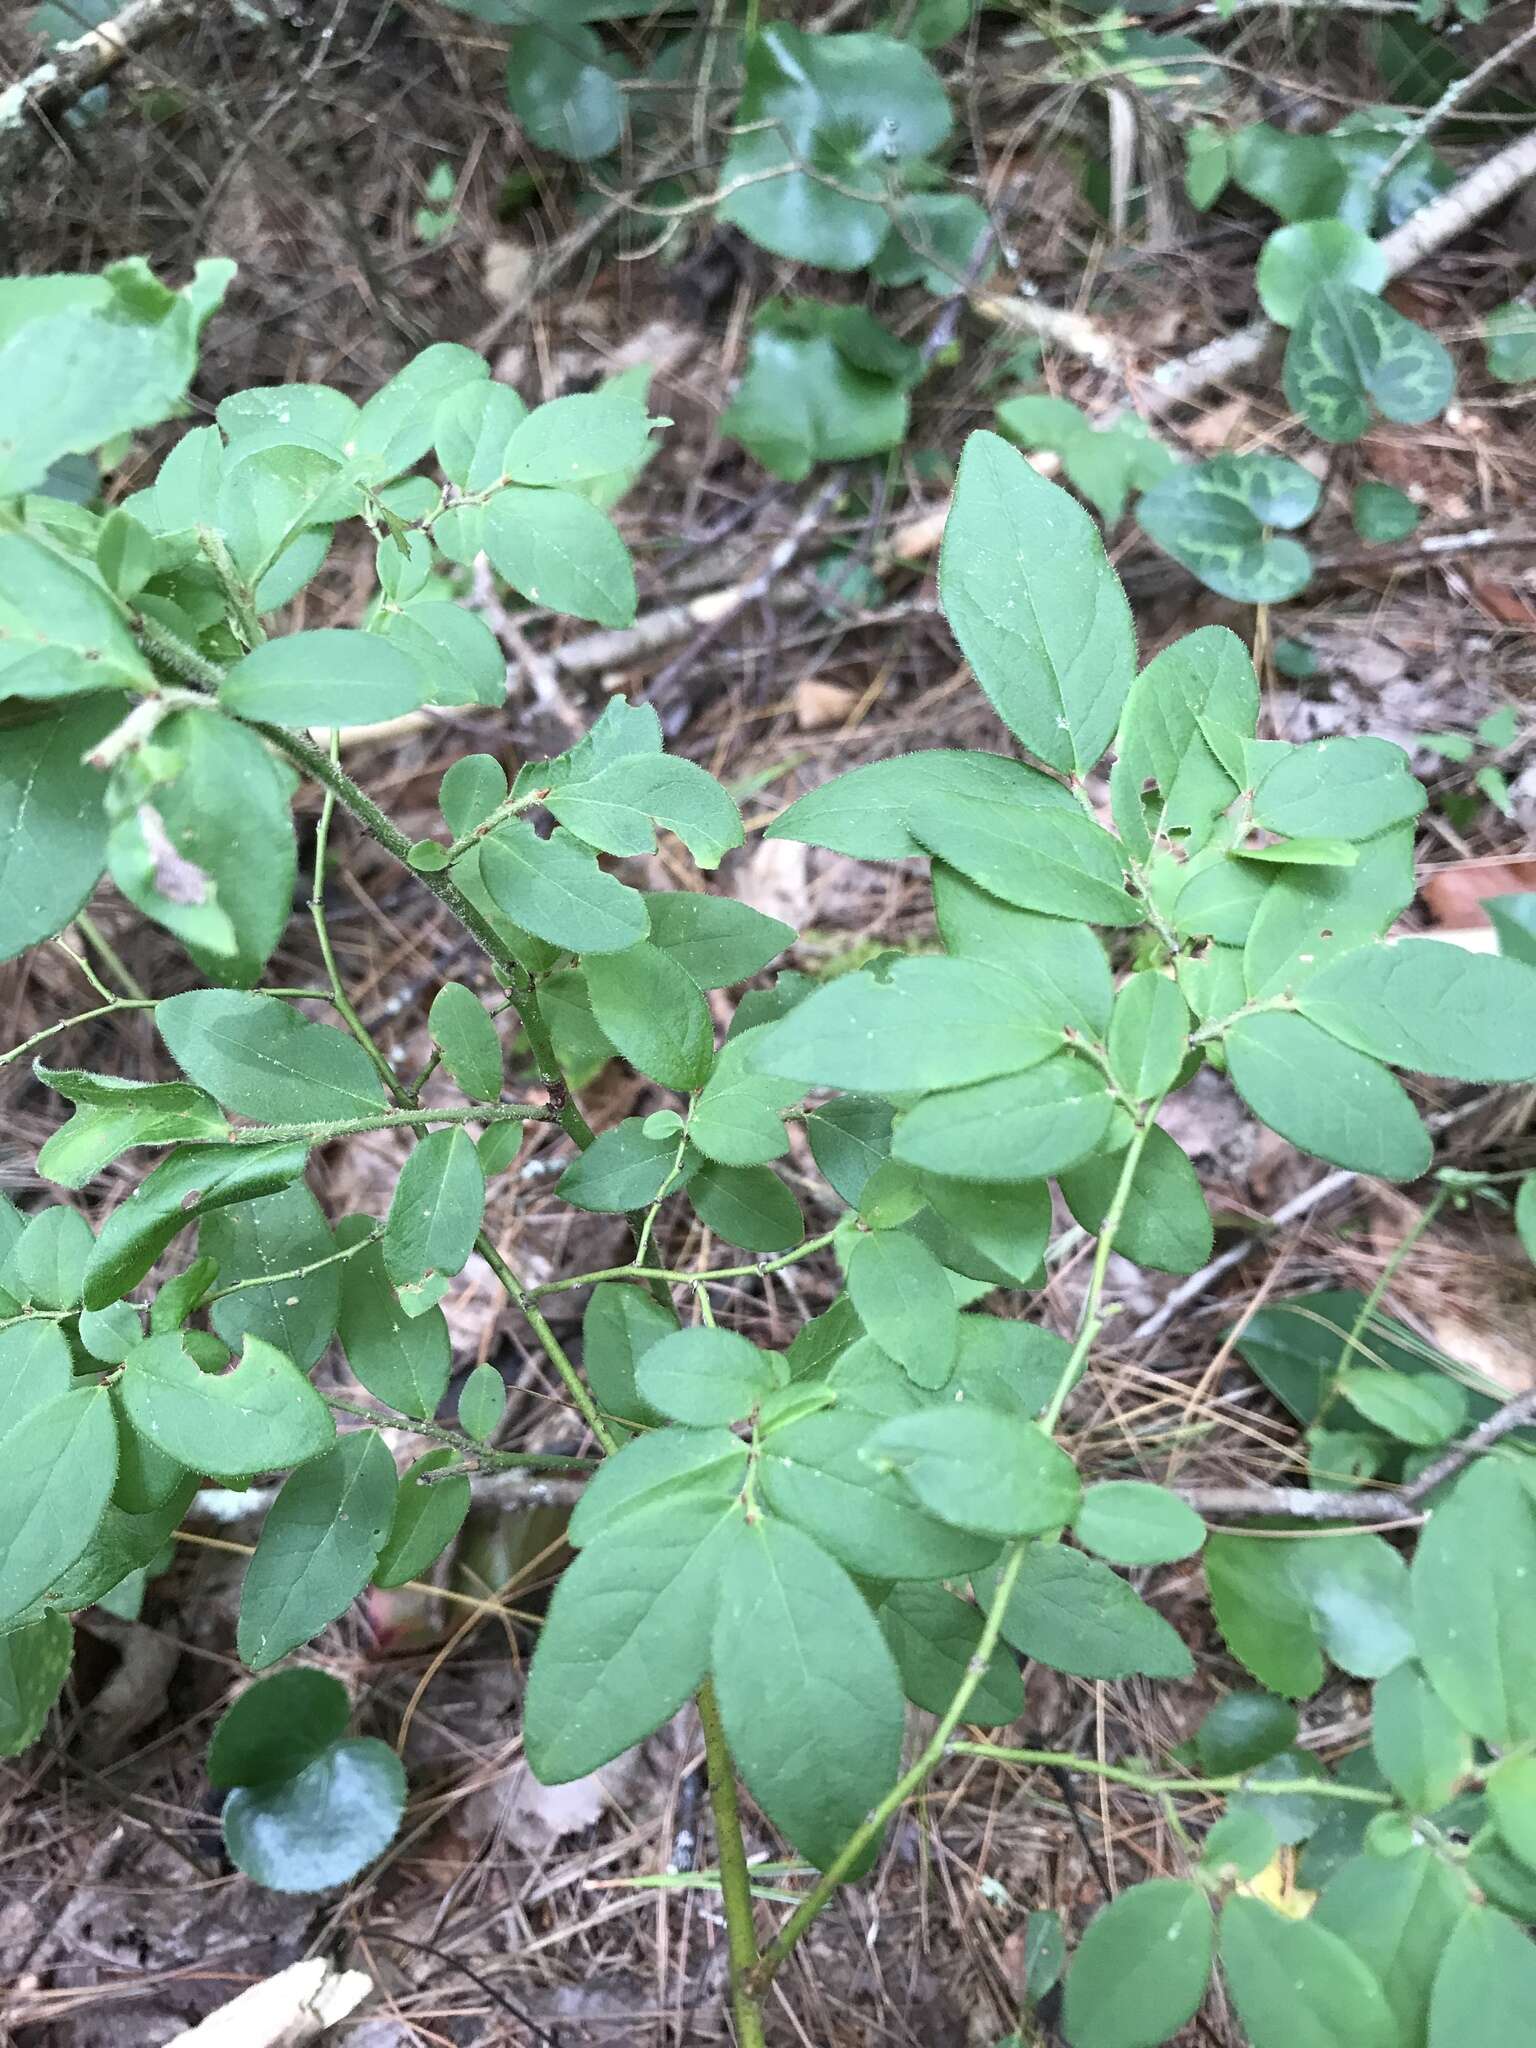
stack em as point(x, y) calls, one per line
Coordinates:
point(735, 1881)
point(1139, 1781)
point(389, 1120)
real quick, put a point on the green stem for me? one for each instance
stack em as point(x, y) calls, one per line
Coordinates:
point(389, 1120)
point(1138, 1781)
point(509, 807)
point(735, 1881)
point(114, 963)
point(553, 1350)
point(482, 1456)
point(296, 1272)
point(1091, 1322)
point(680, 1279)
point(83, 1017)
point(912, 1781)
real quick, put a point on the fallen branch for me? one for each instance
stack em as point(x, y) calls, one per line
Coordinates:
point(51, 88)
point(1395, 1504)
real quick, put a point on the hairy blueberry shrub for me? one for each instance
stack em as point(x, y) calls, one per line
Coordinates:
point(891, 1512)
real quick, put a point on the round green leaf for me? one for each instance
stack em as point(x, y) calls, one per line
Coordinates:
point(277, 1727)
point(318, 1829)
point(979, 1468)
point(1296, 258)
point(705, 1376)
point(1244, 1729)
point(1129, 1522)
point(468, 1041)
point(1141, 1968)
point(482, 1403)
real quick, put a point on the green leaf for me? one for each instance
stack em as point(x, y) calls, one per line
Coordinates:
point(904, 1300)
point(1214, 518)
point(468, 1041)
point(571, 440)
point(850, 1140)
point(395, 428)
point(556, 549)
point(1038, 611)
point(1350, 789)
point(276, 1728)
point(793, 1627)
point(1204, 678)
point(1057, 969)
point(330, 675)
point(472, 428)
point(623, 1170)
point(934, 1635)
point(1382, 512)
point(1130, 1522)
point(430, 1232)
point(848, 105)
point(1357, 1589)
point(403, 1359)
point(937, 238)
point(67, 638)
point(715, 940)
point(554, 888)
point(738, 1116)
point(1140, 1970)
point(482, 1403)
point(1244, 1729)
point(979, 1468)
point(1207, 164)
point(1432, 1007)
point(60, 1462)
point(1512, 1800)
point(207, 847)
point(191, 1183)
point(916, 1025)
point(1020, 1127)
point(1509, 339)
point(276, 1235)
point(317, 1548)
point(803, 401)
point(704, 1375)
point(1165, 1223)
point(1044, 858)
point(562, 91)
point(261, 1415)
point(1485, 1987)
point(1007, 1224)
point(1512, 918)
point(34, 1663)
point(113, 1114)
point(616, 809)
point(619, 1324)
point(456, 656)
point(262, 1059)
point(1416, 1409)
point(863, 813)
point(1295, 1985)
point(1472, 1571)
point(747, 1206)
point(654, 1013)
point(1423, 1751)
point(35, 1367)
point(84, 359)
point(53, 831)
point(1148, 1036)
point(427, 1518)
point(1348, 351)
point(1309, 917)
point(1326, 1098)
point(705, 1466)
point(318, 1830)
point(42, 1267)
point(1263, 1615)
point(627, 1636)
point(1076, 1615)
point(1311, 252)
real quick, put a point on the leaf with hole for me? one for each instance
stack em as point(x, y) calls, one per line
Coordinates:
point(434, 1216)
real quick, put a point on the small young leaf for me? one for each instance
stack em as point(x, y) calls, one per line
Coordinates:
point(1140, 1970)
point(703, 1376)
point(317, 1548)
point(904, 1300)
point(654, 1013)
point(329, 675)
point(1148, 1036)
point(1129, 1522)
point(792, 1626)
point(436, 1211)
point(1382, 512)
point(981, 1469)
point(482, 1403)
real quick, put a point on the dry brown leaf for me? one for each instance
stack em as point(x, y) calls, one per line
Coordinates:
point(816, 704)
